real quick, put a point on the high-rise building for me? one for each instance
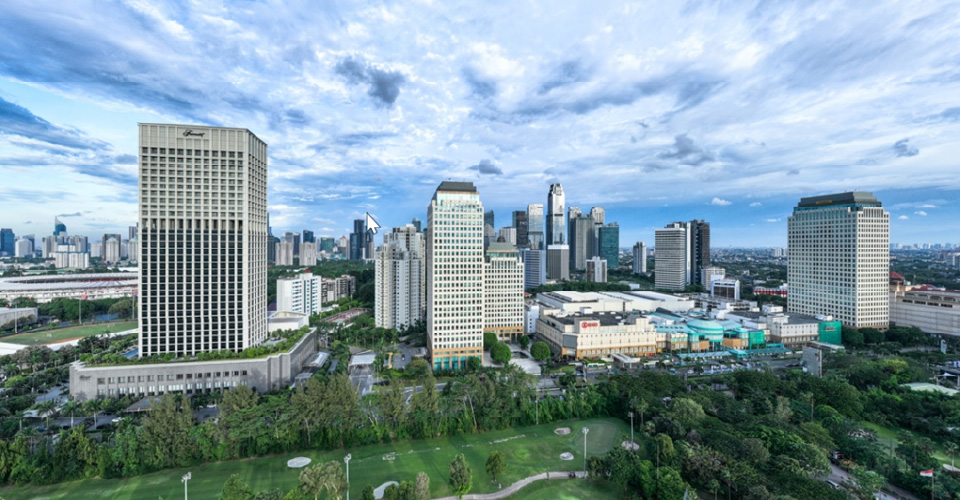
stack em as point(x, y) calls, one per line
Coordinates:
point(581, 242)
point(640, 258)
point(508, 234)
point(417, 224)
point(301, 294)
point(454, 272)
point(520, 223)
point(358, 239)
point(503, 312)
point(534, 267)
point(70, 256)
point(133, 231)
point(599, 215)
point(308, 236)
point(710, 274)
point(8, 242)
point(558, 262)
point(23, 248)
point(59, 228)
point(203, 256)
point(556, 202)
point(839, 265)
point(96, 250)
point(284, 252)
point(596, 270)
point(327, 244)
point(400, 278)
point(700, 248)
point(133, 250)
point(535, 227)
point(673, 271)
point(369, 250)
point(308, 253)
point(343, 246)
point(111, 249)
point(489, 229)
point(609, 244)
point(572, 213)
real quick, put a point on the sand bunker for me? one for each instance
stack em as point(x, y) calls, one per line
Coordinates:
point(298, 463)
point(563, 431)
point(378, 492)
point(566, 456)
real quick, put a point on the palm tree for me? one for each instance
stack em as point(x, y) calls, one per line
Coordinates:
point(951, 448)
point(45, 409)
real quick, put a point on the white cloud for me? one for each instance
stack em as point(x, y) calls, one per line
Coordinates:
point(774, 220)
point(903, 217)
point(720, 202)
point(921, 213)
point(756, 204)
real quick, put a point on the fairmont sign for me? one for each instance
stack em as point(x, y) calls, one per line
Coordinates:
point(191, 133)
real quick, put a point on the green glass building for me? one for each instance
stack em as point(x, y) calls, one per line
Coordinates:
point(609, 244)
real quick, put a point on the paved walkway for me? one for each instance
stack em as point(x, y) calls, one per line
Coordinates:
point(513, 488)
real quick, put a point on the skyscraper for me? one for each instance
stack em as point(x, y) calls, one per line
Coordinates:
point(673, 261)
point(558, 262)
point(520, 223)
point(489, 228)
point(556, 202)
point(111, 249)
point(327, 244)
point(839, 264)
point(535, 227)
point(358, 239)
point(8, 242)
point(400, 278)
point(609, 245)
point(203, 269)
point(308, 236)
point(455, 262)
point(581, 242)
point(59, 228)
point(534, 267)
point(416, 223)
point(640, 258)
point(132, 231)
point(308, 253)
point(23, 248)
point(503, 313)
point(700, 248)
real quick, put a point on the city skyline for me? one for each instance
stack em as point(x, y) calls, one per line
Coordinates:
point(729, 119)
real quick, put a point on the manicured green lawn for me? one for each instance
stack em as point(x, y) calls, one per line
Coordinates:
point(885, 434)
point(568, 489)
point(528, 450)
point(48, 336)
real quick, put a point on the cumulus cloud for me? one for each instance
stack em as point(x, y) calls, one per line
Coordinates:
point(921, 213)
point(720, 202)
point(487, 167)
point(903, 217)
point(902, 148)
point(382, 85)
point(756, 204)
point(774, 220)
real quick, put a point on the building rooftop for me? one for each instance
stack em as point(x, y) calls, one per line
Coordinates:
point(848, 198)
point(604, 318)
point(457, 186)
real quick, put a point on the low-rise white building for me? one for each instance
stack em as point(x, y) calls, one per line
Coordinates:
point(931, 309)
point(594, 335)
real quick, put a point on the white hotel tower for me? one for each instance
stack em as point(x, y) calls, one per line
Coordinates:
point(839, 259)
point(203, 239)
point(454, 271)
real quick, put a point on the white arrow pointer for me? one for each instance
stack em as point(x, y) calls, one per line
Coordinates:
point(372, 224)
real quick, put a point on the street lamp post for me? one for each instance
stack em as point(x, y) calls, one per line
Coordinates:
point(633, 444)
point(585, 431)
point(186, 477)
point(346, 460)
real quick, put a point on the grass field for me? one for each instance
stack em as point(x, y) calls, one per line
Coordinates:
point(886, 434)
point(528, 450)
point(59, 335)
point(569, 489)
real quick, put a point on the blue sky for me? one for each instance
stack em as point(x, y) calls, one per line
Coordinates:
point(658, 111)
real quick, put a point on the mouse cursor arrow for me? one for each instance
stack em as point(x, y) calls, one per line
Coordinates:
point(372, 224)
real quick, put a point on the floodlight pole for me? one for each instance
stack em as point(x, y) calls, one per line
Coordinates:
point(585, 431)
point(632, 443)
point(186, 477)
point(346, 460)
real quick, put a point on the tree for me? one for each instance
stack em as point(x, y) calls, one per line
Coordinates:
point(473, 364)
point(540, 351)
point(417, 368)
point(269, 495)
point(423, 486)
point(367, 493)
point(489, 340)
point(236, 489)
point(524, 341)
point(460, 478)
point(496, 464)
point(500, 353)
point(685, 411)
point(851, 336)
point(327, 477)
point(868, 482)
point(166, 433)
point(237, 398)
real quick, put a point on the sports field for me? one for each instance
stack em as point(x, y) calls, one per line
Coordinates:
point(59, 335)
point(528, 450)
